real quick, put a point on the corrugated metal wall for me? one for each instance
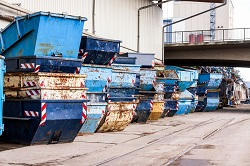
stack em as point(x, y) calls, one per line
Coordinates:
point(115, 19)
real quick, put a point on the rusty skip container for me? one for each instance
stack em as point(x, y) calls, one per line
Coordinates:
point(95, 112)
point(118, 116)
point(45, 86)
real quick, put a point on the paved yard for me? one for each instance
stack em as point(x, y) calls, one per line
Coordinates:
point(216, 138)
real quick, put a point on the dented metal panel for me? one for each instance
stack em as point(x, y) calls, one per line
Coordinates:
point(47, 94)
point(95, 113)
point(98, 77)
point(122, 79)
point(146, 79)
point(118, 116)
point(157, 110)
point(44, 80)
point(126, 67)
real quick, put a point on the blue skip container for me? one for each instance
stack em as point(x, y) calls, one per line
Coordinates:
point(146, 79)
point(42, 34)
point(124, 75)
point(2, 97)
point(42, 121)
point(170, 108)
point(187, 77)
point(143, 111)
point(98, 51)
point(121, 92)
point(43, 64)
point(185, 103)
point(210, 80)
point(98, 77)
point(95, 112)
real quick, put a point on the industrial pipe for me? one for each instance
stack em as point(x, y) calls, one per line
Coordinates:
point(13, 7)
point(93, 17)
point(7, 18)
point(184, 19)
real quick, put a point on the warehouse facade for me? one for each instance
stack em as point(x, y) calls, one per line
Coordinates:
point(113, 19)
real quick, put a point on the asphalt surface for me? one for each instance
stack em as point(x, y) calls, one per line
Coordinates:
point(198, 139)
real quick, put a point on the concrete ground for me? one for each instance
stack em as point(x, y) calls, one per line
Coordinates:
point(215, 138)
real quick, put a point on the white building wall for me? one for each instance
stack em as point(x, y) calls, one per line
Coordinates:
point(114, 19)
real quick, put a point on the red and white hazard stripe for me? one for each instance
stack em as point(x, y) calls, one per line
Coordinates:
point(82, 85)
point(177, 106)
point(154, 81)
point(175, 88)
point(37, 69)
point(151, 104)
point(112, 60)
point(107, 84)
point(31, 113)
point(85, 55)
point(134, 106)
point(27, 65)
point(133, 82)
point(43, 114)
point(84, 96)
point(84, 113)
point(29, 83)
point(153, 63)
point(77, 71)
point(34, 92)
point(108, 95)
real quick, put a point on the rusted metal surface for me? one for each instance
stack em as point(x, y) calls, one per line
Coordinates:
point(45, 86)
point(157, 110)
point(44, 80)
point(118, 116)
point(47, 94)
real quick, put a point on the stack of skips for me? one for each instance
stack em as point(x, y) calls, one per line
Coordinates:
point(112, 83)
point(54, 90)
point(45, 100)
point(208, 91)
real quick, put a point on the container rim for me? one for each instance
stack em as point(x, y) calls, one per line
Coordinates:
point(51, 14)
point(100, 38)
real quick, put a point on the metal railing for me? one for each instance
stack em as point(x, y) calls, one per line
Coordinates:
point(204, 36)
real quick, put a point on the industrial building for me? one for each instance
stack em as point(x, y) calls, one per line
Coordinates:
point(213, 21)
point(112, 19)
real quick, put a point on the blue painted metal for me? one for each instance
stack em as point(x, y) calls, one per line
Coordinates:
point(46, 64)
point(122, 99)
point(125, 60)
point(211, 80)
point(170, 89)
point(96, 97)
point(95, 112)
point(97, 57)
point(170, 109)
point(43, 34)
point(121, 92)
point(187, 77)
point(89, 43)
point(143, 111)
point(97, 77)
point(62, 121)
point(184, 106)
point(211, 104)
point(168, 31)
point(124, 75)
point(127, 68)
point(146, 79)
point(143, 59)
point(2, 97)
point(167, 81)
